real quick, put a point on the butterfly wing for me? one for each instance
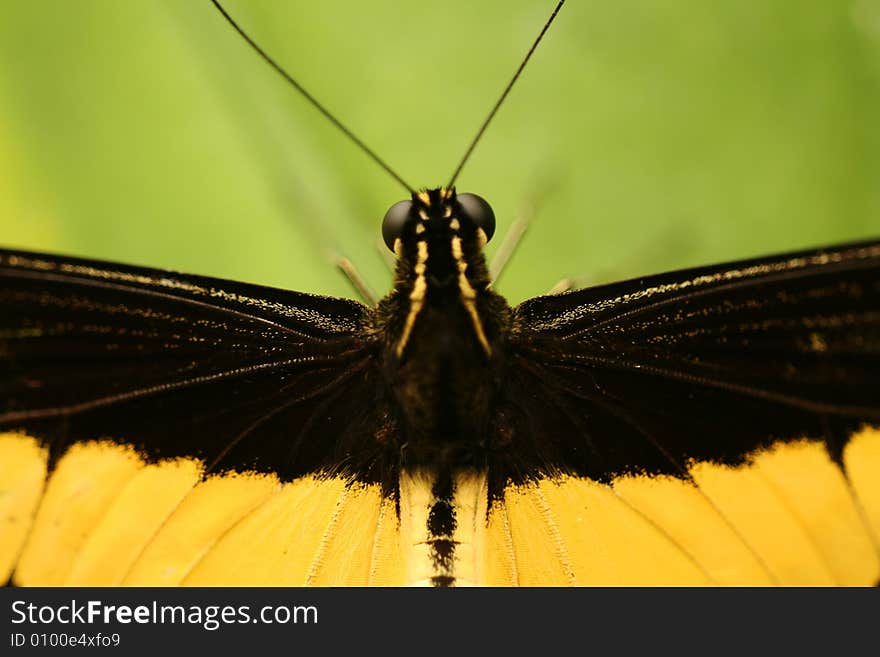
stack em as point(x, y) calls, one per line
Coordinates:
point(710, 425)
point(165, 410)
point(713, 426)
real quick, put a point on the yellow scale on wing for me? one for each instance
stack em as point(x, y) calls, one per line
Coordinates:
point(106, 517)
point(787, 516)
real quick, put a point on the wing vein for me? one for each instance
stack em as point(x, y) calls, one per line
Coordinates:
point(854, 260)
point(706, 381)
point(167, 296)
point(137, 393)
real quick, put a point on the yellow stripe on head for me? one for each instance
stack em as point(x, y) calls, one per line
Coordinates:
point(416, 297)
point(469, 295)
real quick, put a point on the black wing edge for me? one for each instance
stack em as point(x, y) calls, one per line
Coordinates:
point(323, 314)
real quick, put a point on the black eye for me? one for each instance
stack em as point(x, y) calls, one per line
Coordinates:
point(479, 211)
point(394, 221)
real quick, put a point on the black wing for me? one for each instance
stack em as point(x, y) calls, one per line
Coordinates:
point(705, 364)
point(241, 376)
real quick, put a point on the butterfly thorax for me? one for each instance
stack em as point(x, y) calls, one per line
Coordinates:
point(444, 331)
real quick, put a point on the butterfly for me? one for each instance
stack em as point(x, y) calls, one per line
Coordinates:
point(718, 425)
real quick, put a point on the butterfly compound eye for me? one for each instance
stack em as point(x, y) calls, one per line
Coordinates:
point(478, 210)
point(394, 221)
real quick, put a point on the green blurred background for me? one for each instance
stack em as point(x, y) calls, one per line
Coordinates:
point(648, 134)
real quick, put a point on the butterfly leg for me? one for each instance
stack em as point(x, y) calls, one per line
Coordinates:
point(386, 255)
point(564, 285)
point(512, 239)
point(357, 281)
point(569, 284)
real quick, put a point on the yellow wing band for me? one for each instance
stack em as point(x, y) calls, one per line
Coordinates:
point(107, 517)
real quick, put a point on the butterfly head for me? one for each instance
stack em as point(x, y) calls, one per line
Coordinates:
point(438, 236)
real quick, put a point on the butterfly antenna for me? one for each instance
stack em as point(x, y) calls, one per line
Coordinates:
point(314, 101)
point(506, 91)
